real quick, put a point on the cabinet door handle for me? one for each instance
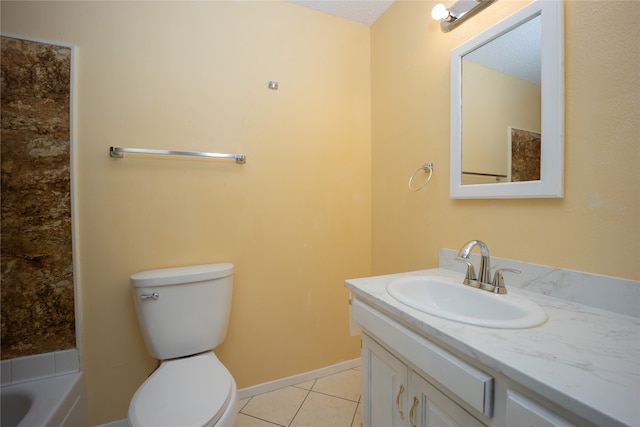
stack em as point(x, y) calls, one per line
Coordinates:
point(398, 402)
point(413, 408)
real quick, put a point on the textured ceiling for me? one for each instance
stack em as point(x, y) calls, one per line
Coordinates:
point(516, 53)
point(362, 11)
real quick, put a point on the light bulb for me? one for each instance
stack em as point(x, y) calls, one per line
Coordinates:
point(439, 12)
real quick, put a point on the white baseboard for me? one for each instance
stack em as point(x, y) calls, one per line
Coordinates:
point(297, 379)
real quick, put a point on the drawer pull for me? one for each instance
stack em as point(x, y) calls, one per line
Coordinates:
point(398, 402)
point(413, 408)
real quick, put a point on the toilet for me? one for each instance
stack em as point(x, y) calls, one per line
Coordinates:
point(183, 314)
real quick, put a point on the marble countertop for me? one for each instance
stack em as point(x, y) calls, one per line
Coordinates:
point(583, 358)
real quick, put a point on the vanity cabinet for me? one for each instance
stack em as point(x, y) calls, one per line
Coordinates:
point(395, 395)
point(409, 381)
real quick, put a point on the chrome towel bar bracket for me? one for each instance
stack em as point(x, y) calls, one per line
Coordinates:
point(118, 152)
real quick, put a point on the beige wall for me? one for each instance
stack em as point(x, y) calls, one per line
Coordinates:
point(295, 219)
point(594, 228)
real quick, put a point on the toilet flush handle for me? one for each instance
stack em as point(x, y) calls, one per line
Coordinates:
point(154, 295)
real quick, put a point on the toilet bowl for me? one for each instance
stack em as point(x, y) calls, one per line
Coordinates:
point(183, 314)
point(195, 391)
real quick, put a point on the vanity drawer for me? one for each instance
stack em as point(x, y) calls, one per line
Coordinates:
point(471, 385)
point(522, 411)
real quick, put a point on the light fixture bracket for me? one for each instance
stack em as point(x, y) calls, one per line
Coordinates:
point(462, 10)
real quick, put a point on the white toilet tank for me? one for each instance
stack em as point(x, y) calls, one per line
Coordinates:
point(185, 310)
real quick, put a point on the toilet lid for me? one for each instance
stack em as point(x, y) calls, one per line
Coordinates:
point(189, 392)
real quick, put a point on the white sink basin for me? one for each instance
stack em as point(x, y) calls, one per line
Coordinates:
point(450, 299)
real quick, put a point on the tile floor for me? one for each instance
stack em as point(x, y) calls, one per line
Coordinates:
point(331, 401)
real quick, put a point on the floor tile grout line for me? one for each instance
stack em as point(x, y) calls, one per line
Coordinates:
point(353, 419)
point(262, 419)
point(337, 397)
point(302, 403)
point(298, 387)
point(245, 405)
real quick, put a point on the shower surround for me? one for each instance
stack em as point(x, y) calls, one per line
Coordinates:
point(37, 288)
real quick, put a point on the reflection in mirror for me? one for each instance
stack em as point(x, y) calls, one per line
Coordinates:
point(507, 108)
point(500, 91)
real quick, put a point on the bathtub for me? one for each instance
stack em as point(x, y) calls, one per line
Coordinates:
point(57, 401)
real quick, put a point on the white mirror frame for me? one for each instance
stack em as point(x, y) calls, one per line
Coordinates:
point(551, 183)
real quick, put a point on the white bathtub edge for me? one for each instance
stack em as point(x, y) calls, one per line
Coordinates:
point(39, 366)
point(54, 400)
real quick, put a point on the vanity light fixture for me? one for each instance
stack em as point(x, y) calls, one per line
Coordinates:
point(456, 14)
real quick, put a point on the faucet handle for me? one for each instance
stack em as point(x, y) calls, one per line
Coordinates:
point(498, 280)
point(471, 272)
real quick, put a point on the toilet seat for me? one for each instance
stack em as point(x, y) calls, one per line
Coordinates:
point(190, 392)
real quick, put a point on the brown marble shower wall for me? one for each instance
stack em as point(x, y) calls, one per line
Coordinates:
point(526, 150)
point(37, 295)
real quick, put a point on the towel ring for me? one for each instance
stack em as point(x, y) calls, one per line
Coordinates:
point(424, 167)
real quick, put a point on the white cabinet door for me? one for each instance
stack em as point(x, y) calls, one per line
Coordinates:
point(384, 387)
point(431, 408)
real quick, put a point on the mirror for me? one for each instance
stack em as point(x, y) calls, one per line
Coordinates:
point(507, 108)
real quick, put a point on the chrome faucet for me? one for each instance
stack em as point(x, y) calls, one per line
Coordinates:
point(483, 280)
point(484, 271)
